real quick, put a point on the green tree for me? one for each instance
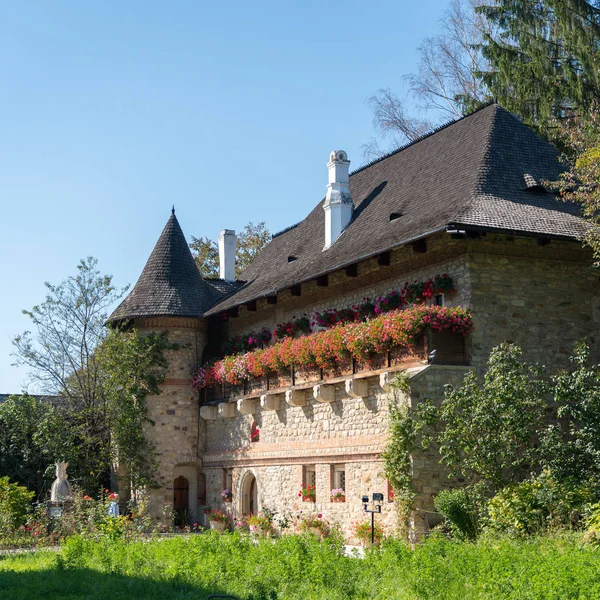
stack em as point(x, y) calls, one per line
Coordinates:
point(580, 137)
point(488, 429)
point(571, 447)
point(32, 438)
point(250, 242)
point(544, 57)
point(101, 379)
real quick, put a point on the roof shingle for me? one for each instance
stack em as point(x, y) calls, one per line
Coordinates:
point(470, 172)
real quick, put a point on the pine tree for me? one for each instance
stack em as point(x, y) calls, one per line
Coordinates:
point(544, 57)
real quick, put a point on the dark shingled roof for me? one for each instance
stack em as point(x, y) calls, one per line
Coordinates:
point(469, 173)
point(170, 284)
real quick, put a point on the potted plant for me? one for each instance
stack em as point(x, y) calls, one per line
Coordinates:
point(218, 520)
point(362, 531)
point(308, 493)
point(259, 525)
point(314, 524)
point(338, 495)
point(227, 495)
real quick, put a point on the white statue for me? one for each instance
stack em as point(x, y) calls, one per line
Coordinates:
point(61, 488)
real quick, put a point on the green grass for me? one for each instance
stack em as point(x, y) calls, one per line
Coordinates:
point(295, 568)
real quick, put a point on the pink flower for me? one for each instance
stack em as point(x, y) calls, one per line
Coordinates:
point(319, 515)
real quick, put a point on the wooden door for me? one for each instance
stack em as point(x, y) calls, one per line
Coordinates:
point(181, 487)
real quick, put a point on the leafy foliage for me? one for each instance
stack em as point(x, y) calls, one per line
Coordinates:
point(99, 378)
point(489, 428)
point(301, 567)
point(539, 503)
point(252, 239)
point(15, 502)
point(580, 137)
point(32, 438)
point(460, 509)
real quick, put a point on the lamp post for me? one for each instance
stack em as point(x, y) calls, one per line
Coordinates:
point(377, 502)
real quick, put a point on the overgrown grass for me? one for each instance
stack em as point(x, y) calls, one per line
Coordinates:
point(551, 567)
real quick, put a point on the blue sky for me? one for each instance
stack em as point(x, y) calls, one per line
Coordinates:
point(110, 112)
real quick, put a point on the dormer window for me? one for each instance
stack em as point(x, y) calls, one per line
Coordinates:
point(395, 215)
point(292, 258)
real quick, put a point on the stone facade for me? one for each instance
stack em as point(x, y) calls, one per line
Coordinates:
point(540, 296)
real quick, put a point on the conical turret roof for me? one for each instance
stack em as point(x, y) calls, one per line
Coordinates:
point(170, 284)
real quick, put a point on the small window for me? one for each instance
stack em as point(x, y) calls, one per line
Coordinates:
point(227, 479)
point(438, 300)
point(255, 432)
point(310, 476)
point(339, 477)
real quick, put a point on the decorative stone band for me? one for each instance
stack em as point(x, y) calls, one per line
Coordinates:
point(176, 381)
point(171, 323)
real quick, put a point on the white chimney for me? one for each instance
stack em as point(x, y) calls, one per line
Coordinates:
point(338, 203)
point(227, 244)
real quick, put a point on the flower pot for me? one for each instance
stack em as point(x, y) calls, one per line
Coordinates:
point(217, 525)
point(309, 499)
point(338, 499)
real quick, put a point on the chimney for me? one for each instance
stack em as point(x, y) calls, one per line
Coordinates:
point(338, 203)
point(227, 243)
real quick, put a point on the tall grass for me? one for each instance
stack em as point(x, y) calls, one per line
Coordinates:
point(297, 568)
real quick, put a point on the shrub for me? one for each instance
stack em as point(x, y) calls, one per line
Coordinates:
point(460, 512)
point(15, 503)
point(539, 503)
point(362, 531)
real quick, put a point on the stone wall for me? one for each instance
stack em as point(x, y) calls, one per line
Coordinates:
point(543, 298)
point(178, 432)
point(350, 432)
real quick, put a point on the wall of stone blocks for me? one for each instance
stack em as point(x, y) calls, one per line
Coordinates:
point(544, 298)
point(350, 432)
point(178, 432)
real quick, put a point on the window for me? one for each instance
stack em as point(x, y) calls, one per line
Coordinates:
point(339, 477)
point(227, 479)
point(310, 476)
point(254, 432)
point(437, 300)
point(338, 483)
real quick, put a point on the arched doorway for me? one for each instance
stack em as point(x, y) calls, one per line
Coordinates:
point(181, 490)
point(249, 495)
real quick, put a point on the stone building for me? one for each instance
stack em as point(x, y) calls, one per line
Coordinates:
point(467, 201)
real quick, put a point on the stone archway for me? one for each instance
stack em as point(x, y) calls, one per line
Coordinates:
point(249, 494)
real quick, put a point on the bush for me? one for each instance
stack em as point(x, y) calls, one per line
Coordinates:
point(460, 512)
point(15, 503)
point(537, 504)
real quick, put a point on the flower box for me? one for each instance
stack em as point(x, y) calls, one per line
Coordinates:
point(338, 499)
point(373, 363)
point(256, 384)
point(308, 499)
point(306, 375)
point(279, 380)
point(340, 369)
